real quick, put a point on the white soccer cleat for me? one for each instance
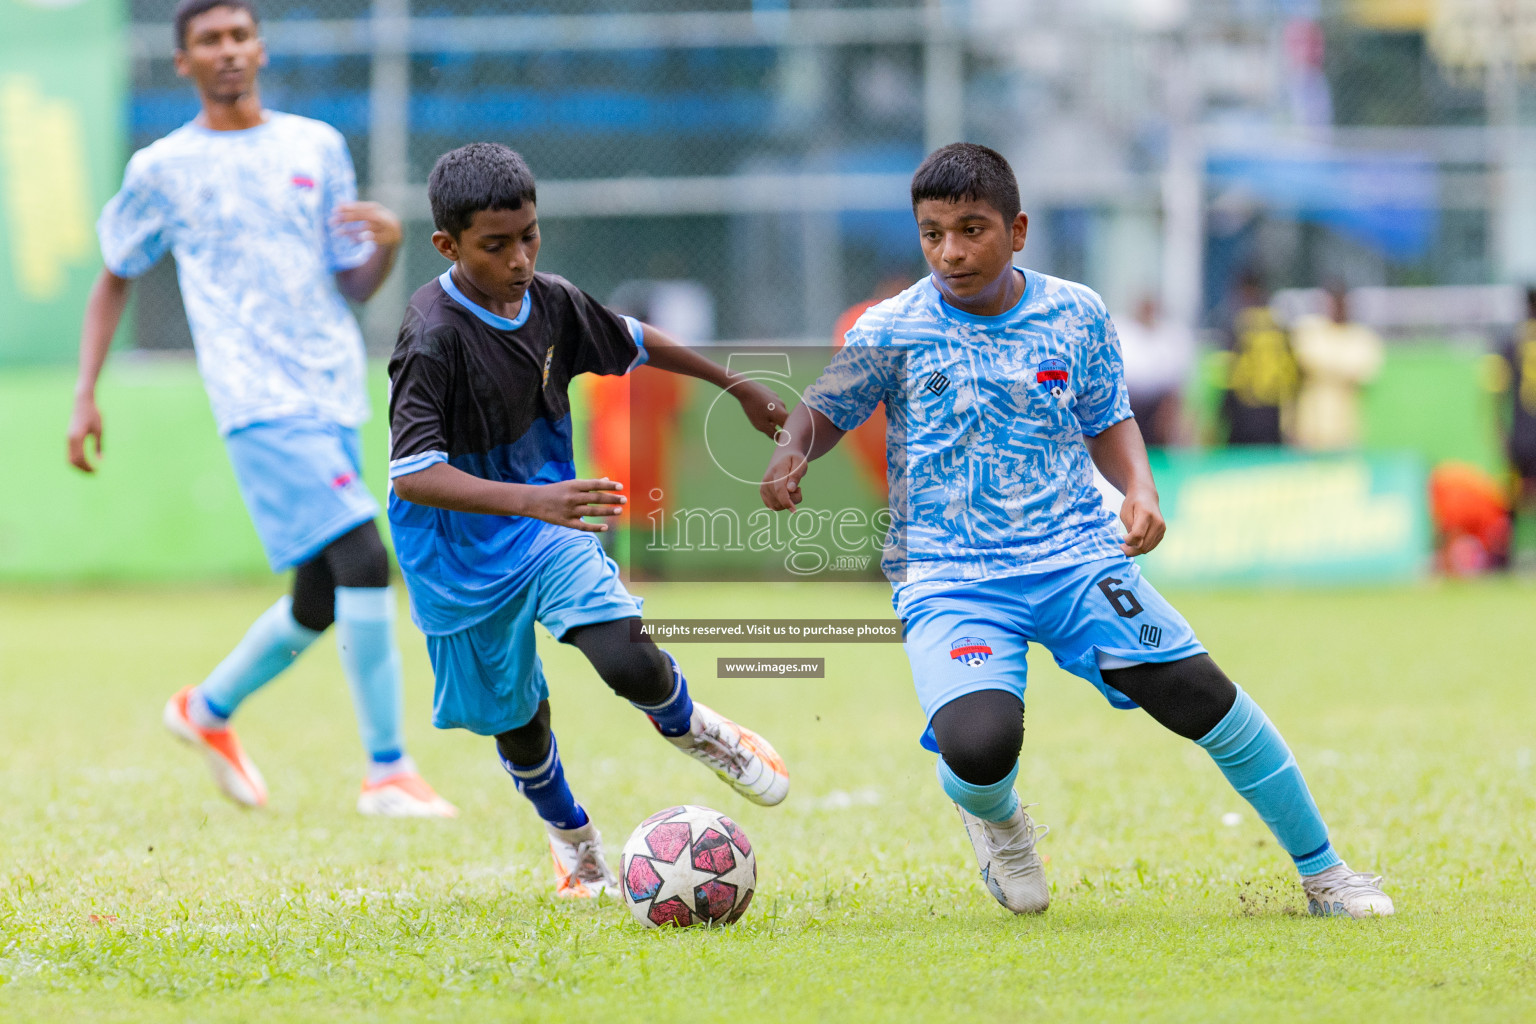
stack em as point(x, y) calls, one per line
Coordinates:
point(232, 771)
point(1338, 891)
point(743, 759)
point(1010, 867)
point(404, 794)
point(581, 871)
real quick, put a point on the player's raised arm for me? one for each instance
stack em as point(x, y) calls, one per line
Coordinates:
point(1121, 456)
point(103, 311)
point(807, 435)
point(764, 409)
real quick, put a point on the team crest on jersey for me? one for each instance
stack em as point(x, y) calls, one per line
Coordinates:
point(1052, 375)
point(548, 356)
point(302, 181)
point(970, 650)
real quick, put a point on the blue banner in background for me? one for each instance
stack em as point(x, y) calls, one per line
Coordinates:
point(1388, 201)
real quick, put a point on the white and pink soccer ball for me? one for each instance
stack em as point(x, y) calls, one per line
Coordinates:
point(688, 865)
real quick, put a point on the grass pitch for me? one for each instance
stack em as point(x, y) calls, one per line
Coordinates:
point(129, 891)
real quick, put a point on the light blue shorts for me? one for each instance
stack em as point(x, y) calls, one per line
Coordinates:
point(974, 636)
point(302, 481)
point(489, 677)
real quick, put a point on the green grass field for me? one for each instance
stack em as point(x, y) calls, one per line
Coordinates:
point(129, 891)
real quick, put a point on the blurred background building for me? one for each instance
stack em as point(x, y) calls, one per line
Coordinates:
point(762, 149)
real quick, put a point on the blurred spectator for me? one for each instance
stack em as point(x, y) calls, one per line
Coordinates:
point(1159, 357)
point(866, 442)
point(1514, 380)
point(1259, 382)
point(1336, 358)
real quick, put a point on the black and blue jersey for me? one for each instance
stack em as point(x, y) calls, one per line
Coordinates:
point(487, 395)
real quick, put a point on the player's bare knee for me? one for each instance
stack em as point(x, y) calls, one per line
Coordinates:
point(1189, 697)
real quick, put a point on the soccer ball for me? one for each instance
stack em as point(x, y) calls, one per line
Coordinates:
point(688, 865)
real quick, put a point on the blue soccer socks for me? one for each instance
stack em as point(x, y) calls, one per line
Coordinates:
point(1254, 758)
point(268, 647)
point(365, 637)
point(996, 802)
point(544, 786)
point(673, 716)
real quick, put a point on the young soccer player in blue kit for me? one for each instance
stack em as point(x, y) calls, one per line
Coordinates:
point(489, 520)
point(1003, 388)
point(260, 210)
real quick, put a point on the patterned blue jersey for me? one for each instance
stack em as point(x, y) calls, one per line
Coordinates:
point(989, 475)
point(248, 216)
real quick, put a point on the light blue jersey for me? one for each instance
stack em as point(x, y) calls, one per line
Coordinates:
point(249, 217)
point(989, 475)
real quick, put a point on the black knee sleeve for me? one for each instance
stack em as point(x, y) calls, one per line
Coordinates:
point(355, 559)
point(1188, 697)
point(527, 744)
point(634, 669)
point(980, 735)
point(358, 559)
point(314, 595)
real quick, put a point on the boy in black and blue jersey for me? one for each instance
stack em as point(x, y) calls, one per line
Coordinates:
point(489, 521)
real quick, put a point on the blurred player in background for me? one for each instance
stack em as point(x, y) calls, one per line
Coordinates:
point(488, 518)
point(1260, 371)
point(1008, 390)
point(260, 210)
point(1514, 380)
point(1159, 357)
point(1337, 359)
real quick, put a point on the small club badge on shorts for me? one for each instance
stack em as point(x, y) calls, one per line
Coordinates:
point(970, 650)
point(1052, 375)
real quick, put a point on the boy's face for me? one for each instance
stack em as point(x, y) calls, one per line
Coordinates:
point(222, 54)
point(497, 252)
point(969, 245)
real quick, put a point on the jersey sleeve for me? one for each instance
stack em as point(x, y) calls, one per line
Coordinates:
point(857, 380)
point(1103, 399)
point(419, 387)
point(601, 341)
point(345, 247)
point(134, 228)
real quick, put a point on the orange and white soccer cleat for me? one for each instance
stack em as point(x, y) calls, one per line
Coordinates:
point(581, 871)
point(232, 771)
point(404, 794)
point(743, 759)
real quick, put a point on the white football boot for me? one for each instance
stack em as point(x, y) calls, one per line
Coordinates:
point(581, 871)
point(1010, 867)
point(403, 794)
point(743, 759)
point(1338, 891)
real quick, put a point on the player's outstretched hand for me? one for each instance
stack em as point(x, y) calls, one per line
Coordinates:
point(564, 503)
point(765, 410)
point(373, 221)
point(780, 489)
point(84, 425)
point(1144, 526)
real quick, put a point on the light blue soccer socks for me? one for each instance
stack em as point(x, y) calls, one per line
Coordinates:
point(1254, 758)
point(996, 802)
point(544, 786)
point(673, 716)
point(268, 647)
point(365, 637)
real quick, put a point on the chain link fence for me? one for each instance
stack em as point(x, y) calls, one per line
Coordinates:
point(761, 150)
